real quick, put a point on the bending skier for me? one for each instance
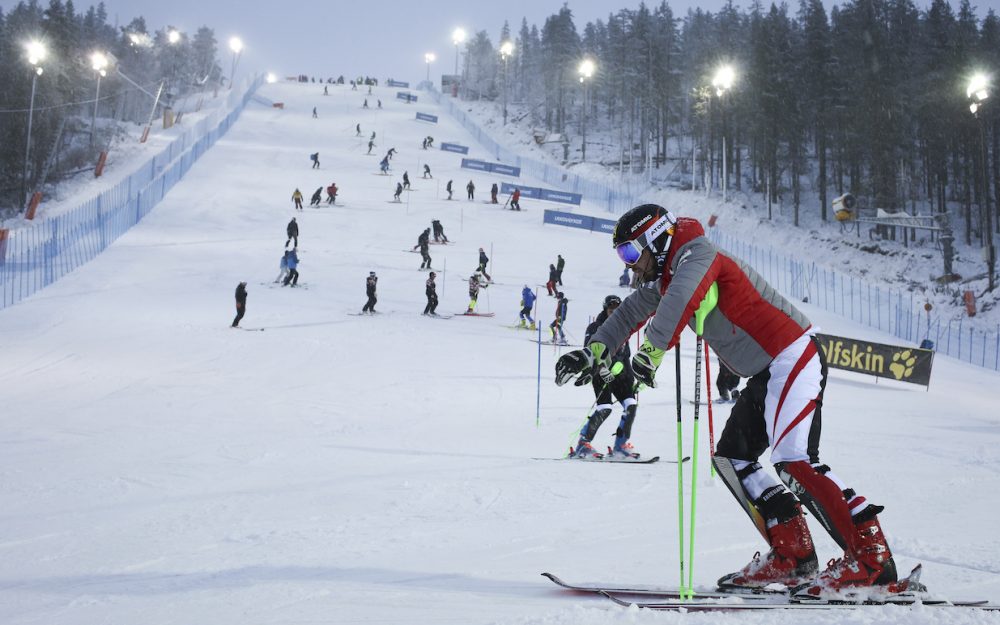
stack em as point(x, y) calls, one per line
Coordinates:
point(760, 335)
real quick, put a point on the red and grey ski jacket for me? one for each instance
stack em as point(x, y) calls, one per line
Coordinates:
point(751, 324)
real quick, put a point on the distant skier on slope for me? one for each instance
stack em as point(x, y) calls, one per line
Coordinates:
point(483, 261)
point(293, 269)
point(241, 302)
point(297, 198)
point(430, 291)
point(562, 305)
point(425, 253)
point(527, 304)
point(761, 335)
point(370, 285)
point(448, 189)
point(475, 284)
point(317, 197)
point(438, 232)
point(292, 229)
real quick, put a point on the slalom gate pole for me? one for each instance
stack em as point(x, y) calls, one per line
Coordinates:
point(708, 397)
point(694, 464)
point(680, 470)
point(538, 393)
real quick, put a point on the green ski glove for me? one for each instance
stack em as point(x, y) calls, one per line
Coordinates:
point(645, 363)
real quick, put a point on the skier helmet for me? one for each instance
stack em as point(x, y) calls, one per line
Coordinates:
point(433, 275)
point(371, 273)
point(649, 224)
point(612, 300)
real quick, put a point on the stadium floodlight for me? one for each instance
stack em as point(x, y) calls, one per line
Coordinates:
point(457, 37)
point(723, 81)
point(173, 36)
point(506, 49)
point(978, 92)
point(36, 53)
point(141, 40)
point(725, 76)
point(271, 78)
point(236, 45)
point(99, 62)
point(429, 58)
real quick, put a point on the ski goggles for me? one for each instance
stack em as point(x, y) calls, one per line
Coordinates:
point(630, 251)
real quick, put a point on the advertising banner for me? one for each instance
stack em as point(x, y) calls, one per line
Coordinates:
point(561, 196)
point(894, 362)
point(469, 163)
point(424, 117)
point(568, 219)
point(454, 147)
point(506, 170)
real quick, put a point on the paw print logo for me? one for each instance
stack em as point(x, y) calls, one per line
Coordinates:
point(902, 364)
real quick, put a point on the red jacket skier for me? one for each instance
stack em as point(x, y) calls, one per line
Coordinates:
point(760, 335)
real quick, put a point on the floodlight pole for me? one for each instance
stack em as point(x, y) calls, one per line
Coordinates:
point(27, 144)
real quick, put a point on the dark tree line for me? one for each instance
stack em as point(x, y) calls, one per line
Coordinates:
point(184, 64)
point(868, 98)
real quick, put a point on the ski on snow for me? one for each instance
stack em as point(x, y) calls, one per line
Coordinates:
point(607, 460)
point(779, 602)
point(651, 591)
point(670, 599)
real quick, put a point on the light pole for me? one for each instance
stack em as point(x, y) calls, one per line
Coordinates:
point(722, 82)
point(236, 45)
point(978, 92)
point(36, 54)
point(506, 49)
point(586, 71)
point(98, 61)
point(429, 58)
point(457, 38)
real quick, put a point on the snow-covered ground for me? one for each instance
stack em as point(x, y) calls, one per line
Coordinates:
point(159, 467)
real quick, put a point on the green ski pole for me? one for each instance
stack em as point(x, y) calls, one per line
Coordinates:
point(680, 469)
point(707, 305)
point(694, 465)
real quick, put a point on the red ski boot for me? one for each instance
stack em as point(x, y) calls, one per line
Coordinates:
point(791, 560)
point(870, 570)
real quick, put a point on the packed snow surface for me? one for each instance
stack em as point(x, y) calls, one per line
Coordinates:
point(159, 467)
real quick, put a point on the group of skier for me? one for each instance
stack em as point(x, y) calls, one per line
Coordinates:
point(317, 196)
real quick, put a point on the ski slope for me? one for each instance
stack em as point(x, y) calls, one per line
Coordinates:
point(159, 467)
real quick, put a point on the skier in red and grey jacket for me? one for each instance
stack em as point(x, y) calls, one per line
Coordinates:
point(762, 336)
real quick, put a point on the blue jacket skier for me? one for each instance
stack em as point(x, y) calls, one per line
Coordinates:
point(527, 303)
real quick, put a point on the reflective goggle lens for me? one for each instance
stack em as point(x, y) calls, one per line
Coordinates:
point(629, 252)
